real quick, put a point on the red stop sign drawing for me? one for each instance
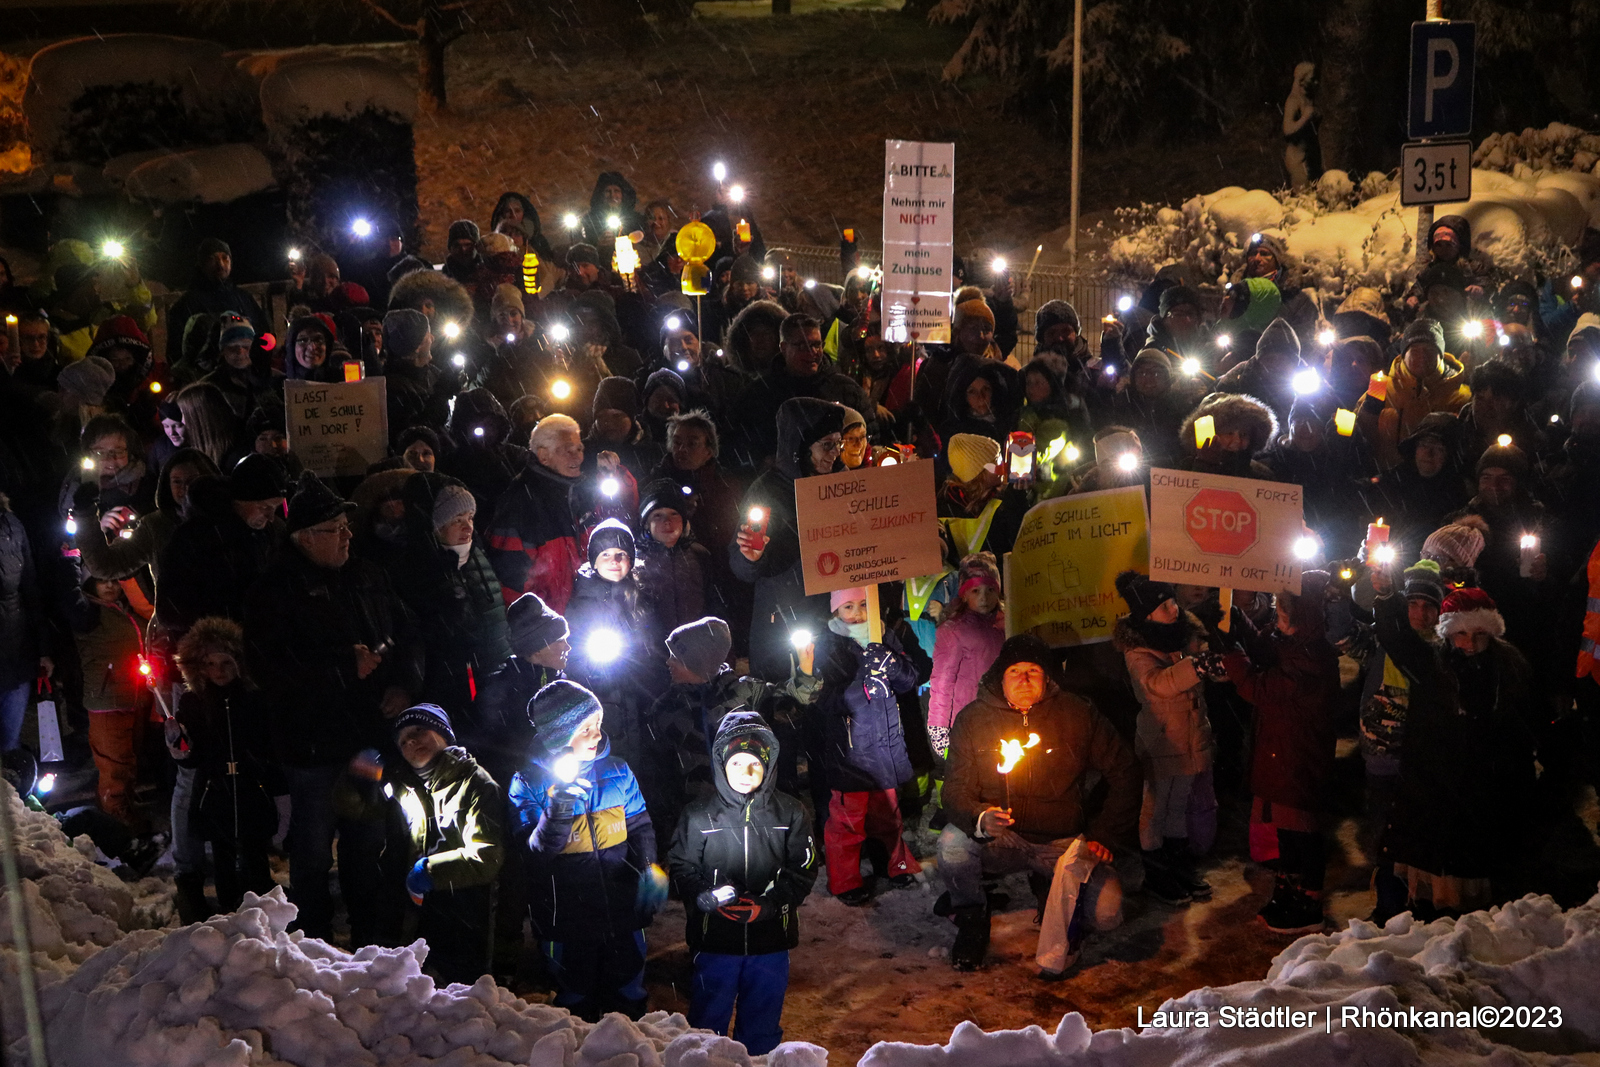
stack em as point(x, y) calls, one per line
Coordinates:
point(828, 564)
point(1221, 521)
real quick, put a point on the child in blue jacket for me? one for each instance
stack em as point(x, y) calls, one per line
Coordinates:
point(593, 882)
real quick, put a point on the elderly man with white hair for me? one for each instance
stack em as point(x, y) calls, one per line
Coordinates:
point(533, 540)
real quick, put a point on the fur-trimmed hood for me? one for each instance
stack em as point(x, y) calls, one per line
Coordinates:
point(1232, 410)
point(449, 298)
point(208, 635)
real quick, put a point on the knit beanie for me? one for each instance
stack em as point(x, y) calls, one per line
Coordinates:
point(613, 533)
point(1141, 594)
point(256, 477)
point(852, 417)
point(1508, 458)
point(452, 502)
point(557, 711)
point(1470, 611)
point(702, 645)
point(313, 502)
point(1113, 445)
point(1454, 546)
point(839, 597)
point(582, 253)
point(970, 453)
point(429, 717)
point(1022, 648)
point(1053, 313)
point(1423, 331)
point(533, 624)
point(1422, 580)
point(464, 230)
point(88, 379)
point(618, 394)
point(745, 269)
point(972, 309)
point(666, 493)
point(1279, 338)
point(665, 378)
point(506, 298)
point(234, 329)
point(496, 244)
point(120, 331)
point(1152, 356)
point(210, 246)
point(1588, 323)
point(403, 331)
point(1177, 296)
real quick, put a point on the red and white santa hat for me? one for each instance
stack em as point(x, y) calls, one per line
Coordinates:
point(1470, 611)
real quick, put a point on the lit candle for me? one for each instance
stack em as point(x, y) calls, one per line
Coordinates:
point(1378, 386)
point(1529, 552)
point(1377, 534)
point(1205, 429)
point(1344, 421)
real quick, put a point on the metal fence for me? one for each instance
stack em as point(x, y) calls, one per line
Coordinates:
point(1088, 292)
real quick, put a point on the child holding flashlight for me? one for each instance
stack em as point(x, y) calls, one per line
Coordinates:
point(744, 861)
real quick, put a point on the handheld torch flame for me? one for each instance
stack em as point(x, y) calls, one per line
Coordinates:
point(1011, 751)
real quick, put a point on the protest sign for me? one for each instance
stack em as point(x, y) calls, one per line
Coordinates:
point(919, 188)
point(1061, 575)
point(337, 428)
point(1234, 533)
point(862, 527)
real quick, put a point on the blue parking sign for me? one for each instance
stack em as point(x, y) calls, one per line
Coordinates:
point(1441, 79)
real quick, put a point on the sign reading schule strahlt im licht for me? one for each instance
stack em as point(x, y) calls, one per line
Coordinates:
point(919, 187)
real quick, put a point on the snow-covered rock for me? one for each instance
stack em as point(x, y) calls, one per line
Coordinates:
point(208, 175)
point(340, 87)
point(206, 83)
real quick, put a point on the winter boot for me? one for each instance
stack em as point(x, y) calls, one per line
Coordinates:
point(1182, 865)
point(190, 897)
point(1160, 881)
point(859, 897)
point(972, 937)
point(1292, 910)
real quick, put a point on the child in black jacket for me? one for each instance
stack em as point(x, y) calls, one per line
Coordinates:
point(743, 860)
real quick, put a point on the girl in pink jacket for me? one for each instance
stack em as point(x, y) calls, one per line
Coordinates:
point(967, 642)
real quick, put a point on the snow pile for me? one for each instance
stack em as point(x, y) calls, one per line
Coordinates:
point(337, 87)
point(1342, 233)
point(217, 175)
point(237, 989)
point(1527, 954)
point(75, 907)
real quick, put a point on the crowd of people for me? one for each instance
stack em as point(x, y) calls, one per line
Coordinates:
point(552, 660)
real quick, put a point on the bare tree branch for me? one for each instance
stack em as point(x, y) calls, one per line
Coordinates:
point(384, 13)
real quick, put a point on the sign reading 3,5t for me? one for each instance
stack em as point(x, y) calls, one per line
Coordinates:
point(1435, 172)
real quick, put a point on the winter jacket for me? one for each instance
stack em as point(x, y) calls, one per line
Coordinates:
point(1411, 399)
point(760, 844)
point(301, 623)
point(1228, 409)
point(212, 561)
point(532, 539)
point(230, 751)
point(593, 223)
point(964, 648)
point(21, 609)
point(675, 584)
point(483, 459)
point(864, 743)
point(780, 601)
point(757, 408)
point(249, 389)
point(417, 396)
point(120, 557)
point(207, 297)
point(1048, 787)
point(456, 603)
point(1173, 732)
point(455, 816)
point(584, 871)
point(109, 639)
point(498, 731)
point(1293, 682)
point(1467, 766)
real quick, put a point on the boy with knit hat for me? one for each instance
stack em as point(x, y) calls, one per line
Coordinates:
point(593, 880)
point(743, 860)
point(455, 817)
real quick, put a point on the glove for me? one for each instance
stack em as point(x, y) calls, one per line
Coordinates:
point(564, 800)
point(709, 901)
point(177, 739)
point(1209, 665)
point(652, 890)
point(877, 657)
point(743, 910)
point(419, 883)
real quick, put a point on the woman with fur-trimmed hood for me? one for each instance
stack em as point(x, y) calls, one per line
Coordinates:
point(1161, 644)
point(1244, 427)
point(440, 298)
point(221, 734)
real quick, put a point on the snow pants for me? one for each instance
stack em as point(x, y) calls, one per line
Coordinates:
point(854, 817)
point(313, 826)
point(754, 984)
point(114, 739)
point(596, 977)
point(458, 925)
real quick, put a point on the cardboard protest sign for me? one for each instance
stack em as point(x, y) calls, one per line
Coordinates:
point(862, 527)
point(1061, 576)
point(919, 187)
point(1234, 533)
point(337, 428)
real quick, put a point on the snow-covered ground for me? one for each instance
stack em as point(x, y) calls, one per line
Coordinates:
point(239, 989)
point(1532, 196)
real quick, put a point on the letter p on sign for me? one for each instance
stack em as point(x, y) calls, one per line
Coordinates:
point(1442, 70)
